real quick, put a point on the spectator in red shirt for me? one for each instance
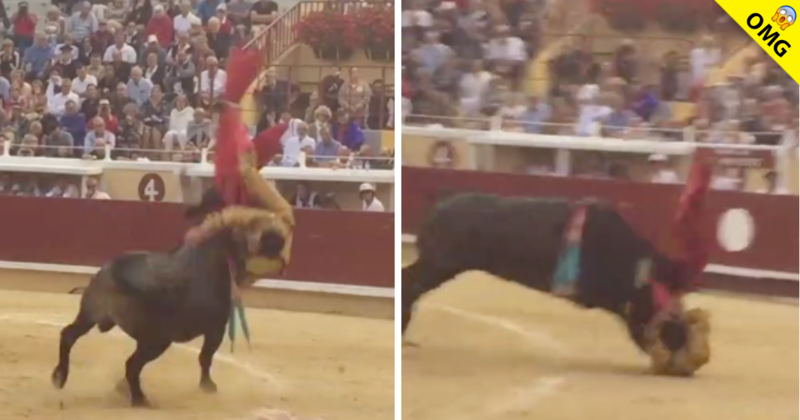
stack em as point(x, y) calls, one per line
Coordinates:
point(112, 122)
point(24, 24)
point(226, 24)
point(161, 26)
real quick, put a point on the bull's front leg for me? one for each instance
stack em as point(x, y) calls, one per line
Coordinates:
point(211, 342)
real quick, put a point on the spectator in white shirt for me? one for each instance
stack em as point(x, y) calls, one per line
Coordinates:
point(57, 105)
point(505, 49)
point(416, 16)
point(473, 89)
point(179, 119)
point(94, 193)
point(64, 189)
point(212, 81)
point(127, 52)
point(368, 200)
point(184, 21)
point(293, 145)
point(84, 79)
point(53, 85)
point(591, 113)
point(728, 179)
point(663, 173)
point(703, 59)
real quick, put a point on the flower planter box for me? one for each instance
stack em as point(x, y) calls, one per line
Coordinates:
point(380, 52)
point(330, 53)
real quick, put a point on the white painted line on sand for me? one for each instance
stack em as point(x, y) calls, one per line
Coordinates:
point(536, 338)
point(56, 320)
point(522, 398)
point(526, 397)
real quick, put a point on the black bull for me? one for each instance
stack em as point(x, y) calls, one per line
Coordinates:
point(161, 298)
point(520, 239)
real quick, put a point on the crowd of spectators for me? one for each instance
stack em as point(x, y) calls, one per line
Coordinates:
point(50, 185)
point(139, 78)
point(459, 61)
point(462, 67)
point(328, 124)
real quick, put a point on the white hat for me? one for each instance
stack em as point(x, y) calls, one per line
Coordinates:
point(366, 187)
point(152, 38)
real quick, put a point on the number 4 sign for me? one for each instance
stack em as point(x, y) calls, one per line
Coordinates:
point(152, 188)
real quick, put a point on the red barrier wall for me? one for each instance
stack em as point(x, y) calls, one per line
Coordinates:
point(338, 247)
point(649, 207)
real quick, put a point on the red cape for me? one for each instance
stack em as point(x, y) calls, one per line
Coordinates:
point(688, 229)
point(233, 139)
point(268, 143)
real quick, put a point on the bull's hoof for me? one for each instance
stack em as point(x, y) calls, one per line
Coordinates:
point(208, 386)
point(58, 378)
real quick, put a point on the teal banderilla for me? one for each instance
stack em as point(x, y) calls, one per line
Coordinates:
point(237, 310)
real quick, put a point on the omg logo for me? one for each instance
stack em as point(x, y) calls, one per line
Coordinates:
point(784, 18)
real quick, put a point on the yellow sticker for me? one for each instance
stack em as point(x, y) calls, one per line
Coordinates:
point(771, 24)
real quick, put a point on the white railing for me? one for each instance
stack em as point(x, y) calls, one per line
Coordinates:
point(563, 145)
point(352, 169)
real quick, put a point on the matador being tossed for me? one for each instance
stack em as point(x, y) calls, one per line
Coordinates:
point(241, 194)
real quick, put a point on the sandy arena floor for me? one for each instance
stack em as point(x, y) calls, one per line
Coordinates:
point(491, 350)
point(314, 366)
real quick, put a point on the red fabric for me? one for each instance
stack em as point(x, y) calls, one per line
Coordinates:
point(688, 224)
point(661, 295)
point(406, 89)
point(112, 123)
point(161, 26)
point(268, 143)
point(233, 138)
point(226, 26)
point(242, 70)
point(689, 221)
point(25, 26)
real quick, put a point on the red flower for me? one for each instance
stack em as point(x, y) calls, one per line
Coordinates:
point(329, 29)
point(377, 24)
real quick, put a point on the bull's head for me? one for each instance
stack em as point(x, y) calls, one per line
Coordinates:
point(628, 278)
point(677, 341)
point(259, 237)
point(264, 252)
point(262, 243)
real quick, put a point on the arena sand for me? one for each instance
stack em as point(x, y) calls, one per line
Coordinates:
point(487, 349)
point(314, 366)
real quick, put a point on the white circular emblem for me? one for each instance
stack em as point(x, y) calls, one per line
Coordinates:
point(736, 230)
